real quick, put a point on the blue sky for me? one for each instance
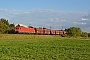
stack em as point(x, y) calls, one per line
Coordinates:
point(65, 5)
point(46, 13)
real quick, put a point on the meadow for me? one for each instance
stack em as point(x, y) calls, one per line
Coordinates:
point(43, 47)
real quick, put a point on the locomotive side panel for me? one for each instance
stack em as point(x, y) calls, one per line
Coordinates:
point(20, 29)
point(31, 30)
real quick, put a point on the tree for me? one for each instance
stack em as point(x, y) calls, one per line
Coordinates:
point(5, 27)
point(84, 34)
point(12, 25)
point(4, 21)
point(11, 28)
point(74, 31)
point(88, 34)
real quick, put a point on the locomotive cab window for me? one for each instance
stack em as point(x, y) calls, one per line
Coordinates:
point(17, 28)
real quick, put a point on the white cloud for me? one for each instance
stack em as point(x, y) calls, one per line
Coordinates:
point(84, 19)
point(46, 17)
point(75, 22)
point(63, 20)
point(83, 23)
point(51, 19)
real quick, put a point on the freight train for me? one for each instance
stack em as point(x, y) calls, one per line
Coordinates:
point(40, 31)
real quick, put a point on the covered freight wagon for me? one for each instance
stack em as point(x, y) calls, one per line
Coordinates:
point(42, 31)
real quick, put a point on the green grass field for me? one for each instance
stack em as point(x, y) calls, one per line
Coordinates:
point(43, 47)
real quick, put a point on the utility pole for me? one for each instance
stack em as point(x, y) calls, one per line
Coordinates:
point(50, 27)
point(50, 31)
point(62, 28)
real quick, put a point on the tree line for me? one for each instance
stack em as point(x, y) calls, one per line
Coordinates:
point(7, 28)
point(76, 32)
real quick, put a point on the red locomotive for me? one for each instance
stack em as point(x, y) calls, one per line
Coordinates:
point(40, 31)
point(21, 29)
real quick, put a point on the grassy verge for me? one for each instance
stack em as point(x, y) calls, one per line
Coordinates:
point(24, 36)
point(39, 47)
